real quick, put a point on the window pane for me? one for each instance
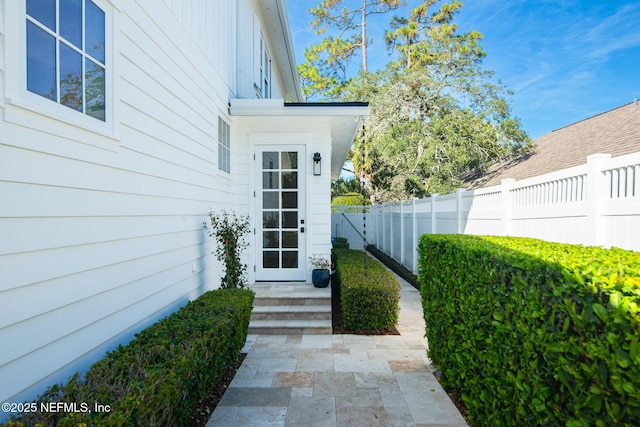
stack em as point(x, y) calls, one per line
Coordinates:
point(270, 259)
point(270, 239)
point(289, 179)
point(270, 180)
point(289, 219)
point(270, 200)
point(44, 11)
point(95, 90)
point(290, 239)
point(71, 21)
point(270, 219)
point(290, 259)
point(41, 62)
point(94, 31)
point(70, 77)
point(270, 160)
point(290, 160)
point(290, 199)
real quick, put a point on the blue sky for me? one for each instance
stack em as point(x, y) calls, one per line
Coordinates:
point(566, 60)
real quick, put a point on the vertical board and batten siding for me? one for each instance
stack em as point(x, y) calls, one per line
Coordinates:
point(101, 235)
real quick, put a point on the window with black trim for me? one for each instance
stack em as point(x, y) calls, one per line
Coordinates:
point(224, 146)
point(66, 54)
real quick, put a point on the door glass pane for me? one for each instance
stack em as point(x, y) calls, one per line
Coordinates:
point(289, 160)
point(94, 76)
point(270, 160)
point(270, 259)
point(270, 219)
point(290, 239)
point(270, 200)
point(270, 239)
point(289, 219)
point(270, 180)
point(94, 37)
point(41, 62)
point(289, 179)
point(70, 77)
point(71, 21)
point(289, 259)
point(44, 11)
point(290, 199)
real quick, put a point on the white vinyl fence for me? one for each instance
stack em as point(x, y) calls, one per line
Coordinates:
point(593, 204)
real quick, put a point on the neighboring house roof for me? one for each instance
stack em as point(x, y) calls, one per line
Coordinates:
point(615, 132)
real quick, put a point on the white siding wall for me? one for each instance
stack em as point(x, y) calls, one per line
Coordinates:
point(101, 231)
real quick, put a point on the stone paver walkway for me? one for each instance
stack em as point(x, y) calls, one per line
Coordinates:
point(339, 380)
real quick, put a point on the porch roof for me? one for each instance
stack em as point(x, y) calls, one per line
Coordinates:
point(345, 119)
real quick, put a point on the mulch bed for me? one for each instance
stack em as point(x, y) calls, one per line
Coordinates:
point(209, 403)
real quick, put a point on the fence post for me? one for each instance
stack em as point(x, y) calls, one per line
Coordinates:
point(414, 236)
point(507, 205)
point(341, 225)
point(459, 225)
point(402, 237)
point(434, 226)
point(596, 191)
point(391, 234)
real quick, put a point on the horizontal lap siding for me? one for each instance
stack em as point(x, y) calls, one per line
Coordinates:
point(101, 235)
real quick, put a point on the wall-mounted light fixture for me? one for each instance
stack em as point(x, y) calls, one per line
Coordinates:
point(317, 166)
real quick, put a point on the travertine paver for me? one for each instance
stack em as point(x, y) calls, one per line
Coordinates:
point(339, 380)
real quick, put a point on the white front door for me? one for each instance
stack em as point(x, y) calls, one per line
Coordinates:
point(280, 216)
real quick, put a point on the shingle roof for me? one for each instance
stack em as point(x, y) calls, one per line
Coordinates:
point(615, 132)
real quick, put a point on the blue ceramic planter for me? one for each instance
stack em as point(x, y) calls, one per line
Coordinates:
point(320, 278)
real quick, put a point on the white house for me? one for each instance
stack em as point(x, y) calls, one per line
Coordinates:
point(122, 123)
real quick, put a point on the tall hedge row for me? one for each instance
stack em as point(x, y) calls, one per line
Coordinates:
point(369, 296)
point(534, 333)
point(160, 377)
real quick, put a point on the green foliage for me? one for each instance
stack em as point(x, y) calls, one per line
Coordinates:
point(534, 333)
point(341, 243)
point(162, 375)
point(437, 116)
point(369, 296)
point(229, 230)
point(343, 187)
point(324, 73)
point(350, 200)
point(395, 266)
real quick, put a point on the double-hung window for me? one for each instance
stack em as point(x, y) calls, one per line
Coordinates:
point(265, 70)
point(66, 54)
point(224, 146)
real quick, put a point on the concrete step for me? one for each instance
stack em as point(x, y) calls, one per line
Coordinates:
point(290, 327)
point(291, 309)
point(291, 301)
point(291, 312)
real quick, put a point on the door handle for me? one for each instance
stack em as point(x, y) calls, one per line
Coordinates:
point(302, 229)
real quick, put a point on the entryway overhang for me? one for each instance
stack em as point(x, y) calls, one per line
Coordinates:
point(344, 118)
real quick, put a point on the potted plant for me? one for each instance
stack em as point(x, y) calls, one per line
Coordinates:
point(321, 274)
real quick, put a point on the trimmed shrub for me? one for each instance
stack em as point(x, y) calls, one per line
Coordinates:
point(369, 297)
point(341, 243)
point(529, 332)
point(395, 266)
point(161, 376)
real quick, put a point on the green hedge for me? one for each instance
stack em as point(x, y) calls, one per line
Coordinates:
point(534, 333)
point(160, 377)
point(341, 243)
point(369, 298)
point(395, 266)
